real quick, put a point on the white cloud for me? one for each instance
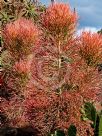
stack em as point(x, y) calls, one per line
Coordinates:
point(88, 29)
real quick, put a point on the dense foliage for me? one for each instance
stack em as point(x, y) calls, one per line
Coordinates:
point(50, 77)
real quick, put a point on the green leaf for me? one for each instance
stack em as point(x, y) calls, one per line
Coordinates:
point(90, 112)
point(72, 131)
point(59, 133)
point(100, 126)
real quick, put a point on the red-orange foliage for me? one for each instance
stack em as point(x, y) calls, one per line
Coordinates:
point(59, 20)
point(22, 66)
point(14, 110)
point(62, 78)
point(19, 38)
point(41, 110)
point(91, 48)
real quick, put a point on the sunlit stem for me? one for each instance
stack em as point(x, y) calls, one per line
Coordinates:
point(59, 61)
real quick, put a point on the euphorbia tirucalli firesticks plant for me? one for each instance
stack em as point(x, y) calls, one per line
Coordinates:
point(59, 20)
point(91, 48)
point(19, 41)
point(20, 37)
point(60, 70)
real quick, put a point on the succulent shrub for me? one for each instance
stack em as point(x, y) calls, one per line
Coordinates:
point(51, 72)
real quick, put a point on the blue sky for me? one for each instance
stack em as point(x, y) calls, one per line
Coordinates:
point(89, 11)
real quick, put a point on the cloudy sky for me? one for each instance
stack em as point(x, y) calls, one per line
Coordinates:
point(89, 11)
